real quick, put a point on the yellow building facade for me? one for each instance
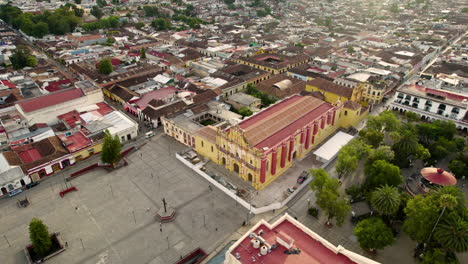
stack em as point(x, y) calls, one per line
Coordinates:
point(335, 92)
point(264, 146)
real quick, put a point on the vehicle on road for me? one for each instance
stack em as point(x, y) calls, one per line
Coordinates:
point(149, 134)
point(14, 192)
point(304, 175)
point(32, 184)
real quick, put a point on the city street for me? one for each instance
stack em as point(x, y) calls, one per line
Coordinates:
point(111, 219)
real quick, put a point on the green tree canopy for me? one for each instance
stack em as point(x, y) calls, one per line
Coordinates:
point(105, 66)
point(372, 136)
point(452, 232)
point(151, 11)
point(422, 212)
point(161, 24)
point(373, 233)
point(139, 25)
point(380, 173)
point(386, 200)
point(245, 111)
point(381, 153)
point(111, 149)
point(328, 196)
point(458, 167)
point(40, 238)
point(22, 57)
point(384, 122)
point(438, 256)
point(96, 12)
point(143, 53)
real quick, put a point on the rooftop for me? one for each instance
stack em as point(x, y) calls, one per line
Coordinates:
point(75, 141)
point(51, 99)
point(267, 128)
point(288, 235)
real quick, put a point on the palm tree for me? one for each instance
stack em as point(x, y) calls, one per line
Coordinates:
point(446, 201)
point(452, 233)
point(386, 200)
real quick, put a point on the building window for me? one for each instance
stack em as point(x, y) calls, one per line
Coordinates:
point(345, 113)
point(408, 97)
point(202, 144)
point(456, 110)
point(212, 149)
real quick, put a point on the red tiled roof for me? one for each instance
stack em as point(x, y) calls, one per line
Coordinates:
point(104, 108)
point(312, 250)
point(269, 127)
point(48, 100)
point(8, 84)
point(160, 94)
point(55, 86)
point(29, 156)
point(71, 118)
point(75, 142)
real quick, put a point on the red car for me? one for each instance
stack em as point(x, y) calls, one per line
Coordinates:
point(304, 175)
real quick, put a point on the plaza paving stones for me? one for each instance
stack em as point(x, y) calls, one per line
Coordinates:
point(111, 219)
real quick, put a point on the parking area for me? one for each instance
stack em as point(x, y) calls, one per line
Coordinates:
point(111, 219)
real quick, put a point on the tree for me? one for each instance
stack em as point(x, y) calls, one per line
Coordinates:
point(328, 196)
point(320, 177)
point(111, 148)
point(372, 136)
point(423, 212)
point(105, 66)
point(411, 116)
point(350, 49)
point(31, 61)
point(143, 53)
point(437, 256)
point(452, 233)
point(21, 57)
point(40, 238)
point(101, 3)
point(380, 173)
point(385, 121)
point(96, 12)
point(78, 11)
point(151, 11)
point(245, 111)
point(161, 24)
point(386, 200)
point(458, 168)
point(373, 233)
point(139, 25)
point(346, 163)
point(349, 156)
point(381, 153)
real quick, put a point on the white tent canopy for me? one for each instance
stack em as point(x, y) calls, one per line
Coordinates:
point(330, 149)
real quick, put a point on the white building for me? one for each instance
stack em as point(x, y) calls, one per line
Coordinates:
point(433, 104)
point(46, 108)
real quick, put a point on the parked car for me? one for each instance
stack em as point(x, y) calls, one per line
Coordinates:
point(304, 175)
point(149, 134)
point(32, 184)
point(14, 192)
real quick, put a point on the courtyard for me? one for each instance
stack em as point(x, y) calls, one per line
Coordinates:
point(111, 219)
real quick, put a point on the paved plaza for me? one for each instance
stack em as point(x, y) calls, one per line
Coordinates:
point(111, 219)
